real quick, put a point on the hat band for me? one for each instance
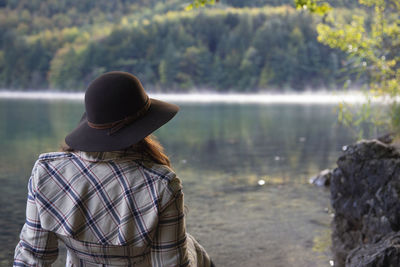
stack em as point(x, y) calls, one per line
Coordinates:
point(117, 125)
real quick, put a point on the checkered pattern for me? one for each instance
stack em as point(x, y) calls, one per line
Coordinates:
point(110, 209)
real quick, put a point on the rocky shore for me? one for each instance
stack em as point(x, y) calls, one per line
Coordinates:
point(365, 197)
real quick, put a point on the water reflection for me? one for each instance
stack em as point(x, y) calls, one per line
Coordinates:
point(245, 171)
point(255, 139)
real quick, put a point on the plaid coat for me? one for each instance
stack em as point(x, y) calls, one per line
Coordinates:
point(110, 209)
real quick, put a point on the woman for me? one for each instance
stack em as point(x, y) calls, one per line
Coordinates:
point(111, 197)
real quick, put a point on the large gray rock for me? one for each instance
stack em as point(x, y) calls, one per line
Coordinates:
point(383, 253)
point(365, 191)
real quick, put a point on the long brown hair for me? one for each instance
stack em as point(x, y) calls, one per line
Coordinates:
point(149, 146)
point(153, 149)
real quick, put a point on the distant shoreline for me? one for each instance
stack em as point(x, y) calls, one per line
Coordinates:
point(261, 98)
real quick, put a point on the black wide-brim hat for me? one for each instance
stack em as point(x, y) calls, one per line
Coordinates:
point(118, 114)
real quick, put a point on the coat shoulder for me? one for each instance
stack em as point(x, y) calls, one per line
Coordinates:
point(164, 174)
point(50, 156)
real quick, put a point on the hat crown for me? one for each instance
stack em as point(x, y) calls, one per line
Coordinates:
point(114, 96)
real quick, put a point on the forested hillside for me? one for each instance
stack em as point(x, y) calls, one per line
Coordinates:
point(65, 44)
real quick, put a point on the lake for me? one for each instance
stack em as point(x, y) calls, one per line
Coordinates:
point(244, 166)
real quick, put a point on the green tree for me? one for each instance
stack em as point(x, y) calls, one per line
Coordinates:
point(267, 74)
point(372, 42)
point(215, 48)
point(200, 3)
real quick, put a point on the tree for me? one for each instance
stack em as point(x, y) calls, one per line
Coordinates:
point(200, 3)
point(371, 40)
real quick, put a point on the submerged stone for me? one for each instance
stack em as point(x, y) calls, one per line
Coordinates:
point(322, 179)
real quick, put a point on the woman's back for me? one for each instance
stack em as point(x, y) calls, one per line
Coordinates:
point(112, 208)
point(120, 206)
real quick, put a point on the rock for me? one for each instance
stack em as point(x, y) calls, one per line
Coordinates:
point(365, 196)
point(383, 253)
point(322, 179)
point(386, 138)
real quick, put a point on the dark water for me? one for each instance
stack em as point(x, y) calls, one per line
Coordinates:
point(221, 152)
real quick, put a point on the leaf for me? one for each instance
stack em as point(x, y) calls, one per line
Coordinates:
point(314, 6)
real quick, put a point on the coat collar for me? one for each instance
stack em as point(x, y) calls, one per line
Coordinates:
point(110, 155)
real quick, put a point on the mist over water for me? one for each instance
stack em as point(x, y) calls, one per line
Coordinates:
point(262, 98)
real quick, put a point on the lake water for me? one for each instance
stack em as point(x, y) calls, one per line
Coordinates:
point(220, 151)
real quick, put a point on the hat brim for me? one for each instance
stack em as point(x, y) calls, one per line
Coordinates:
point(85, 138)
